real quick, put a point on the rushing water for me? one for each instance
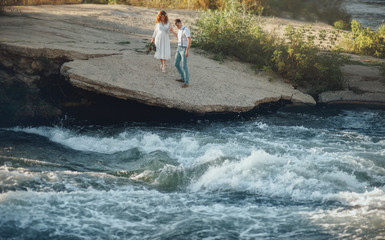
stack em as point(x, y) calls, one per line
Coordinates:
point(317, 174)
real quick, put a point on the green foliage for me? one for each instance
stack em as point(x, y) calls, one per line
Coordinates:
point(381, 30)
point(340, 24)
point(301, 62)
point(233, 32)
point(366, 41)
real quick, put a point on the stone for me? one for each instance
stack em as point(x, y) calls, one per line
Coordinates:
point(365, 84)
point(214, 87)
point(104, 53)
point(96, 60)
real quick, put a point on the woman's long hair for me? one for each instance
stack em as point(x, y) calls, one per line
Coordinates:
point(160, 14)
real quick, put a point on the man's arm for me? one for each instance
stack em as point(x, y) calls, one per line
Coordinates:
point(188, 46)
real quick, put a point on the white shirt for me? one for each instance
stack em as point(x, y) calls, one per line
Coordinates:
point(183, 34)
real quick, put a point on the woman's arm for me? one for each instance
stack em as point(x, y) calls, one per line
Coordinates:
point(173, 32)
point(155, 32)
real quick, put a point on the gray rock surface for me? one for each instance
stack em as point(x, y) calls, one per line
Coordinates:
point(103, 47)
point(364, 84)
point(213, 87)
point(103, 50)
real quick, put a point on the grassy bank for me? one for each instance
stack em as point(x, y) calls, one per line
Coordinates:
point(235, 32)
point(365, 41)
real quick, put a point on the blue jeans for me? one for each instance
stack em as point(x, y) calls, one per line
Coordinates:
point(181, 57)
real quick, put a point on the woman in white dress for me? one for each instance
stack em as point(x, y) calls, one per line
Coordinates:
point(162, 39)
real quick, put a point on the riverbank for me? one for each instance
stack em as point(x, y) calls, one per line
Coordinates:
point(62, 53)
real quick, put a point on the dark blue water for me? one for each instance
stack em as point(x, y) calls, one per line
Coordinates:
point(318, 174)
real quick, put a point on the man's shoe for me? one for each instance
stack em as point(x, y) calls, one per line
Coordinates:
point(185, 85)
point(179, 80)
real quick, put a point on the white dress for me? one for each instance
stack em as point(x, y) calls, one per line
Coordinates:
point(162, 41)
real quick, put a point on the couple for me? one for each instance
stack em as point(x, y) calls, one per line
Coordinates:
point(162, 43)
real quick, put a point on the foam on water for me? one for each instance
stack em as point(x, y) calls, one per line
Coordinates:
point(83, 214)
point(184, 147)
point(284, 177)
point(68, 138)
point(287, 177)
point(13, 179)
point(137, 213)
point(309, 165)
point(364, 218)
point(166, 177)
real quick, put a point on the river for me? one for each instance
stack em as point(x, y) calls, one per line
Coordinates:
point(370, 13)
point(312, 174)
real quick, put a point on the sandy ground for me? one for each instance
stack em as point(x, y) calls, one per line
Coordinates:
point(119, 33)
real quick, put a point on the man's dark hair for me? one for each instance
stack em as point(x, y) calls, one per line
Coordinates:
point(177, 21)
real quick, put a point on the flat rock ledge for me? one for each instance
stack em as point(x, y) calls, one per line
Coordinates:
point(214, 87)
point(364, 84)
point(102, 52)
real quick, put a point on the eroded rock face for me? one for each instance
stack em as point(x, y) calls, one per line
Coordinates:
point(20, 94)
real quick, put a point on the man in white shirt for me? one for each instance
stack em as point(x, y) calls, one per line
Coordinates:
point(184, 44)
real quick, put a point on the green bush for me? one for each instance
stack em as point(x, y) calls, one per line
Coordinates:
point(301, 62)
point(234, 32)
point(341, 24)
point(366, 41)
